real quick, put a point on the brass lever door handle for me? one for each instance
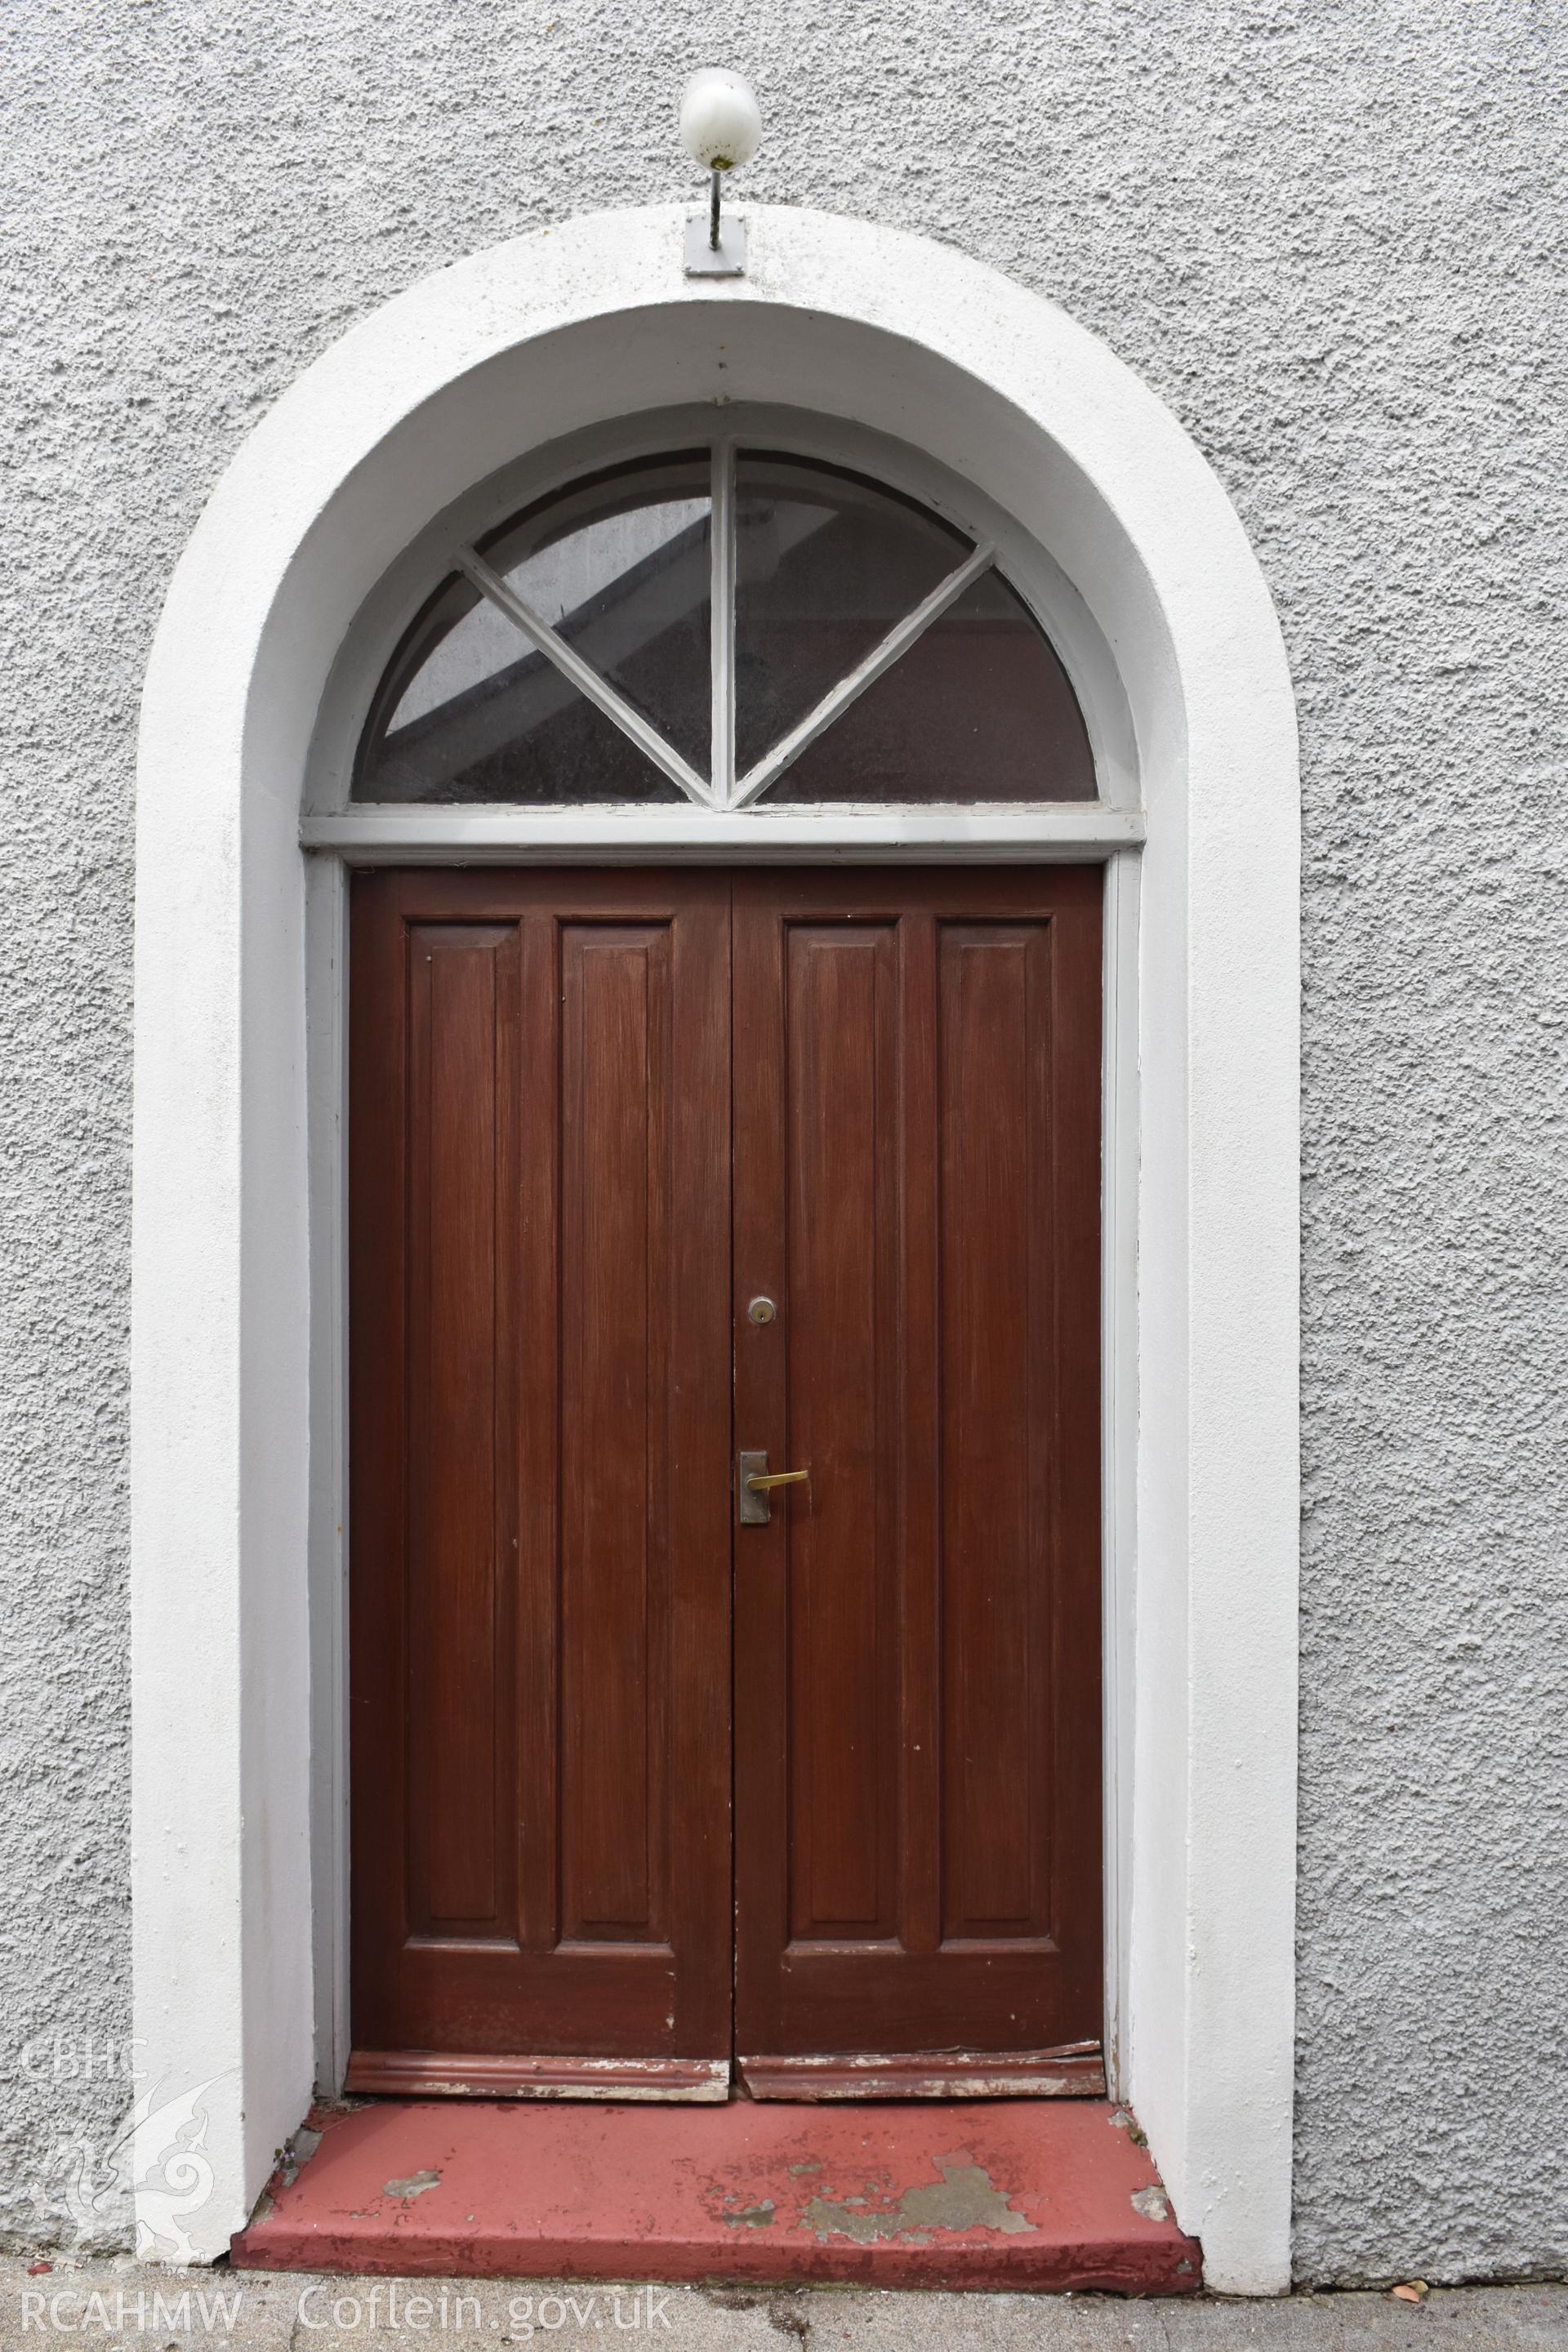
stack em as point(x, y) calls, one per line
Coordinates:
point(756, 1485)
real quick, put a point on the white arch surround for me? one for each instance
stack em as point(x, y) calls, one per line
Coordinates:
point(491, 358)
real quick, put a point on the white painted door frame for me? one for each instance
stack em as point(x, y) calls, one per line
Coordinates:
point(235, 1322)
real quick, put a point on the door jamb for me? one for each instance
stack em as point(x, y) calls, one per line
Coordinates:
point(327, 1076)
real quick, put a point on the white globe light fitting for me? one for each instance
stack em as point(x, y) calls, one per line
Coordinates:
point(721, 123)
point(721, 127)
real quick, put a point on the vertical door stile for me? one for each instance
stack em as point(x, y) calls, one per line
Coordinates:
point(1075, 1760)
point(509, 1352)
point(763, 1661)
point(540, 1385)
point(379, 1500)
point(697, 1706)
point(920, 1484)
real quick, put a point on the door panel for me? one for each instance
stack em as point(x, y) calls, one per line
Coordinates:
point(995, 1245)
point(615, 1283)
point(843, 1276)
point(917, 1151)
point(462, 1158)
point(540, 1488)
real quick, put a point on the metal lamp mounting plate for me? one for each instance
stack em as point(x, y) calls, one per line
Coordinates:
point(728, 260)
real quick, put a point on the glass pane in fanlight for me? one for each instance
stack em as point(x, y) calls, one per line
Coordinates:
point(621, 566)
point(468, 712)
point(978, 710)
point(826, 562)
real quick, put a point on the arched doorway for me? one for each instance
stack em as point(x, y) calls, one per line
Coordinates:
point(246, 832)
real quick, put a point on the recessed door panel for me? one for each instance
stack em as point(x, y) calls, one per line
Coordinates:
point(840, 1112)
point(461, 1455)
point(615, 1125)
point(997, 1226)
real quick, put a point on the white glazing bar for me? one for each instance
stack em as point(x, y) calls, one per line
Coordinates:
point(583, 676)
point(897, 640)
point(721, 621)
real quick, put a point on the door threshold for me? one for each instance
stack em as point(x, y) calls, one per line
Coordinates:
point(439, 2074)
point(1076, 2071)
point(1029, 2195)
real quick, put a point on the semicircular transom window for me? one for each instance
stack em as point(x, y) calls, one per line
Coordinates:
point(732, 631)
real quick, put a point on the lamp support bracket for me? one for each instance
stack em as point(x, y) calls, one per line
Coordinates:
point(725, 259)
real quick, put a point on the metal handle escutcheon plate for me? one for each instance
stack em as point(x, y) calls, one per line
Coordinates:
point(755, 1487)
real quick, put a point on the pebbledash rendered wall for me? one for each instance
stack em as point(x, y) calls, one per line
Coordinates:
point(1331, 237)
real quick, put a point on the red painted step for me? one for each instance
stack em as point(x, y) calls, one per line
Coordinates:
point(1049, 2193)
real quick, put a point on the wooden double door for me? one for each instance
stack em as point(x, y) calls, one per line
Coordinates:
point(654, 1771)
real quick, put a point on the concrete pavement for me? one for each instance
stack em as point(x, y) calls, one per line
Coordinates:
point(124, 2304)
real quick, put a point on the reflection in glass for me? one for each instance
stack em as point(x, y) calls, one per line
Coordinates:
point(619, 565)
point(978, 710)
point(826, 562)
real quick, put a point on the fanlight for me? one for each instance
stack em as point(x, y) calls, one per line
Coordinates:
point(728, 628)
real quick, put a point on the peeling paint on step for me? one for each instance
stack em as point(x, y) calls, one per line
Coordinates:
point(965, 2199)
point(753, 2217)
point(1152, 2203)
point(414, 2186)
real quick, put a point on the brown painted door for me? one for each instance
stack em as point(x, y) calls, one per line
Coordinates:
point(540, 1614)
point(917, 1630)
point(571, 1124)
